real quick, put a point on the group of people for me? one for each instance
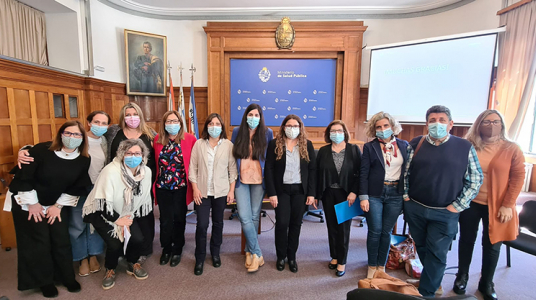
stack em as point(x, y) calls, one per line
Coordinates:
point(86, 191)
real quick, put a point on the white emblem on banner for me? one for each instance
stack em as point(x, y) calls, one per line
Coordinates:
point(304, 117)
point(304, 100)
point(276, 100)
point(289, 108)
point(264, 108)
point(239, 92)
point(239, 108)
point(289, 92)
point(314, 108)
point(314, 92)
point(264, 92)
point(264, 76)
point(248, 100)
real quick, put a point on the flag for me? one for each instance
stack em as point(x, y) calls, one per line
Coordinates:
point(171, 99)
point(193, 114)
point(181, 105)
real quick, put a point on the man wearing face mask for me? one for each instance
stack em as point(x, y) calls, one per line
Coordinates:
point(443, 175)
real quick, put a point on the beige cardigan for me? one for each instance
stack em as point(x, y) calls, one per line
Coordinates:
point(224, 172)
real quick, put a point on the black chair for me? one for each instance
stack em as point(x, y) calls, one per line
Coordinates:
point(367, 294)
point(525, 242)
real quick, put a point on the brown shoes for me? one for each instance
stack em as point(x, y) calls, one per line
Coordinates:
point(249, 260)
point(256, 262)
point(94, 265)
point(84, 268)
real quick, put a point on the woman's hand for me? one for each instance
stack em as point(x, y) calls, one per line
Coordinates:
point(311, 201)
point(124, 221)
point(364, 205)
point(35, 211)
point(197, 196)
point(351, 199)
point(24, 158)
point(53, 212)
point(273, 201)
point(505, 214)
point(315, 203)
point(230, 197)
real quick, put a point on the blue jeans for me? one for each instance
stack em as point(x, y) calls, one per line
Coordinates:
point(84, 242)
point(381, 218)
point(433, 230)
point(248, 203)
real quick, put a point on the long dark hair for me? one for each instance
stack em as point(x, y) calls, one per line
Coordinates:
point(258, 143)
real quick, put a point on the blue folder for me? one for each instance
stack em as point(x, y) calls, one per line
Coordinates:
point(345, 213)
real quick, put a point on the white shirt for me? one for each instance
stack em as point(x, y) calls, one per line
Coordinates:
point(211, 153)
point(97, 158)
point(392, 172)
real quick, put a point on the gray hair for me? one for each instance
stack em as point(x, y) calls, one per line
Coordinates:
point(438, 109)
point(125, 145)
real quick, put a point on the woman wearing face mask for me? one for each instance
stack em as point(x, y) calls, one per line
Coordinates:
point(120, 199)
point(173, 147)
point(39, 191)
point(381, 186)
point(132, 126)
point(84, 243)
point(290, 184)
point(337, 170)
point(250, 140)
point(502, 164)
point(213, 175)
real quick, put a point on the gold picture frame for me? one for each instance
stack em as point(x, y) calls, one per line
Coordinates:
point(146, 57)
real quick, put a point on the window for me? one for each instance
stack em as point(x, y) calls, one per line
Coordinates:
point(59, 107)
point(73, 107)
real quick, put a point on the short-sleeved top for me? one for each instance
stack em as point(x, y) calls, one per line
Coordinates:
point(171, 172)
point(50, 175)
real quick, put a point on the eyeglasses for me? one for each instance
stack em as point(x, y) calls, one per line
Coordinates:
point(176, 121)
point(138, 154)
point(72, 134)
point(337, 131)
point(292, 126)
point(488, 122)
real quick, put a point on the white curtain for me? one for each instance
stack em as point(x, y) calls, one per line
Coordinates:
point(517, 65)
point(22, 32)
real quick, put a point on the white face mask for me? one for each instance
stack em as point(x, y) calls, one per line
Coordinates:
point(292, 132)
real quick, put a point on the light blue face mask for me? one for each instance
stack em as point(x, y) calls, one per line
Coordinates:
point(438, 130)
point(98, 130)
point(384, 134)
point(214, 131)
point(253, 122)
point(133, 161)
point(71, 142)
point(173, 129)
point(337, 138)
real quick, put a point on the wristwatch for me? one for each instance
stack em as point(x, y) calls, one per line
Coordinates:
point(58, 205)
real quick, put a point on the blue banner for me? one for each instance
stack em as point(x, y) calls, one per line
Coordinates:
point(304, 87)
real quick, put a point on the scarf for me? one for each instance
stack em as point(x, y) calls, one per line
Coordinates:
point(389, 150)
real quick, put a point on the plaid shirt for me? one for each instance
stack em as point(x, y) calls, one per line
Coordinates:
point(472, 181)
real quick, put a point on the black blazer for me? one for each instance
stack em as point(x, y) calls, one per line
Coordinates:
point(373, 168)
point(326, 171)
point(275, 169)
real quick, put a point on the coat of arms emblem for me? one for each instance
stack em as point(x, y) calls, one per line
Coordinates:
point(284, 34)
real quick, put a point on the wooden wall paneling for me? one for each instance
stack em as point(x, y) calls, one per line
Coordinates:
point(51, 112)
point(4, 108)
point(13, 121)
point(44, 132)
point(33, 109)
point(22, 104)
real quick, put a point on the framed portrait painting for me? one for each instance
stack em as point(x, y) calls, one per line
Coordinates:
point(146, 56)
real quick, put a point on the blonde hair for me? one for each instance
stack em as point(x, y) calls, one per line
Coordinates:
point(163, 135)
point(473, 135)
point(302, 139)
point(370, 128)
point(144, 128)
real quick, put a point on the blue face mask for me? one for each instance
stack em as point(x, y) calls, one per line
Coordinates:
point(173, 129)
point(384, 134)
point(253, 122)
point(214, 131)
point(437, 130)
point(337, 138)
point(71, 142)
point(98, 130)
point(133, 161)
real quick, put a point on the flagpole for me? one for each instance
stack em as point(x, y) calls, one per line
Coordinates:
point(171, 96)
point(193, 114)
point(182, 108)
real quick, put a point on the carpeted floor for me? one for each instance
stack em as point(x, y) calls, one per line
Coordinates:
point(231, 281)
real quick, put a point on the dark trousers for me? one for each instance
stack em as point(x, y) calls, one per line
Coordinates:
point(469, 222)
point(44, 251)
point(114, 247)
point(288, 220)
point(338, 234)
point(147, 228)
point(203, 215)
point(433, 230)
point(173, 211)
